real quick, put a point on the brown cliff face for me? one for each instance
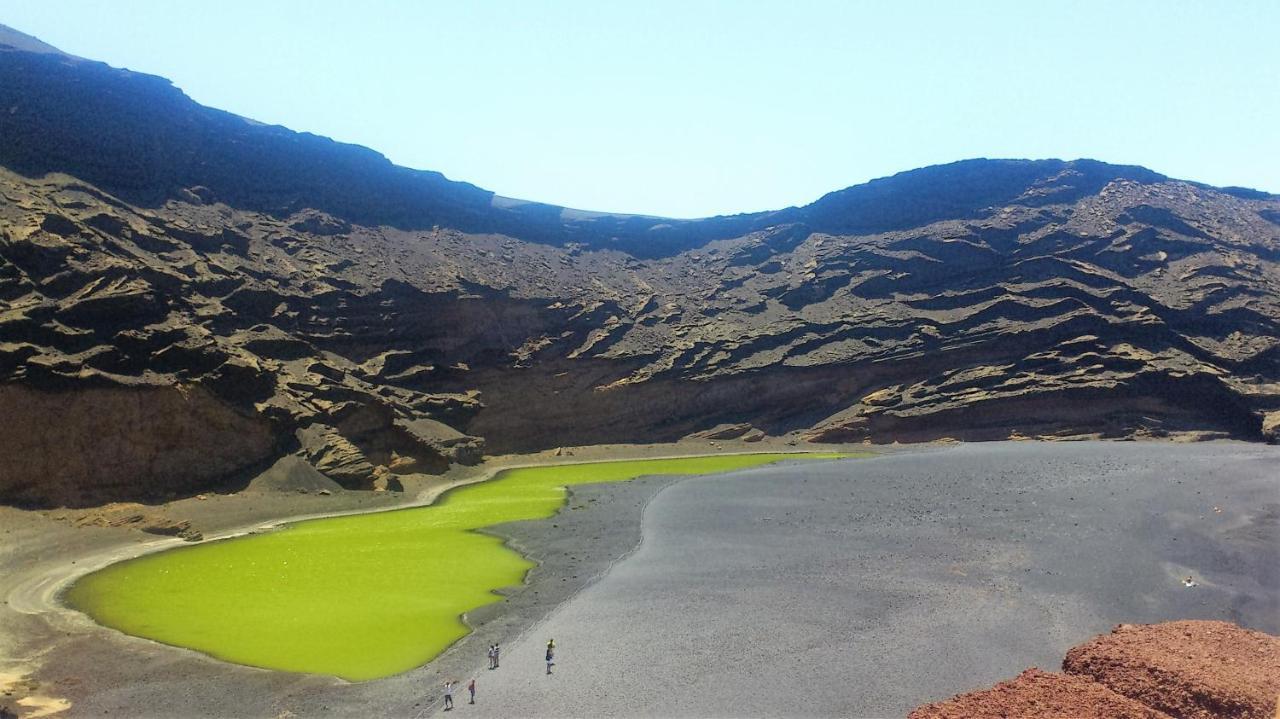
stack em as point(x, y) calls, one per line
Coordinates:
point(376, 319)
point(99, 443)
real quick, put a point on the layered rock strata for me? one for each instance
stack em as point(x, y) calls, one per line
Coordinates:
point(288, 295)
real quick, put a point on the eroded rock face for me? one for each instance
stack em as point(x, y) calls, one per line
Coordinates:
point(378, 317)
point(97, 445)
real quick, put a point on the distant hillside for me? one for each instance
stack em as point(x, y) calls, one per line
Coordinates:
point(187, 296)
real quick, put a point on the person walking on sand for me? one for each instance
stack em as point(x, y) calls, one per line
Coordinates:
point(551, 654)
point(448, 694)
point(471, 687)
point(497, 655)
point(493, 656)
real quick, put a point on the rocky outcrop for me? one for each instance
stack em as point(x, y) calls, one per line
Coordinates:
point(1193, 669)
point(131, 515)
point(1187, 669)
point(1271, 427)
point(377, 320)
point(1041, 695)
point(741, 430)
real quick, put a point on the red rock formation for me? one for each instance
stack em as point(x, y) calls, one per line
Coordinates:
point(1039, 694)
point(1189, 669)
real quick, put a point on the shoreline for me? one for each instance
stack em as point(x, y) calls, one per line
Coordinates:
point(66, 657)
point(358, 596)
point(34, 614)
point(53, 591)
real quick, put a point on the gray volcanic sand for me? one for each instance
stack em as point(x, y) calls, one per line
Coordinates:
point(859, 587)
point(867, 587)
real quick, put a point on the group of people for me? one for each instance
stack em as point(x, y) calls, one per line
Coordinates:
point(495, 654)
point(448, 692)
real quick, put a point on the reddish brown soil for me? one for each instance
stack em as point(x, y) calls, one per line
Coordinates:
point(1039, 694)
point(1188, 669)
point(1194, 669)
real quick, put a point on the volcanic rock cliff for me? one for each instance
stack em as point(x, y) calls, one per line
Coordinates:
point(187, 295)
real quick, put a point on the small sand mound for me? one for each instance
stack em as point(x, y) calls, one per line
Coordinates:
point(1189, 669)
point(1039, 694)
point(292, 474)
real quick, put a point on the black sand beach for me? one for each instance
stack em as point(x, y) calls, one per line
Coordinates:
point(867, 587)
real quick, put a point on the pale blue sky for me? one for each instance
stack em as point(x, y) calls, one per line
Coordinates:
point(691, 108)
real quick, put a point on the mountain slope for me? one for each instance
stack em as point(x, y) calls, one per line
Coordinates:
point(186, 296)
point(143, 140)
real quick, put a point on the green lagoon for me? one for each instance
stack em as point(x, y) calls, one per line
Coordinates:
point(361, 596)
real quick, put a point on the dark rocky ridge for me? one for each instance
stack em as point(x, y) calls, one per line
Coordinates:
point(378, 320)
point(143, 140)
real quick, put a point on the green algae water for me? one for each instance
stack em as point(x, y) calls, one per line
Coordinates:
point(359, 597)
